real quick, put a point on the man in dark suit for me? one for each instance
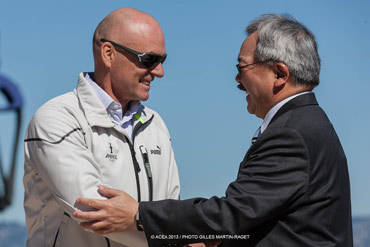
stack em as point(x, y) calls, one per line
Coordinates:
point(292, 187)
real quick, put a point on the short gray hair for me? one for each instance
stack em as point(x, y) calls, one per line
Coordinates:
point(283, 39)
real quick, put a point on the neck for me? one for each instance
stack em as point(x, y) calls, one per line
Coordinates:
point(290, 90)
point(105, 83)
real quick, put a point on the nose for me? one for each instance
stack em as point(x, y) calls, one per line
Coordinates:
point(237, 77)
point(158, 71)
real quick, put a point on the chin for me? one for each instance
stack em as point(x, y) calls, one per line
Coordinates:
point(251, 111)
point(144, 98)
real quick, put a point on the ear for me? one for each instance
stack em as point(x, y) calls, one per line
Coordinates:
point(107, 54)
point(282, 74)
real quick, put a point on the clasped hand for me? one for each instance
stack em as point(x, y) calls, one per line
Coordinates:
point(117, 214)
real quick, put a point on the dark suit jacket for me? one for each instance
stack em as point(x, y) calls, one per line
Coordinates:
point(292, 189)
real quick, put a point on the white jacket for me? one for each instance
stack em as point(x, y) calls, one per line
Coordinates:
point(71, 147)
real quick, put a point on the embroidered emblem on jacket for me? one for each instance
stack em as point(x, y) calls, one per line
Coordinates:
point(112, 153)
point(156, 151)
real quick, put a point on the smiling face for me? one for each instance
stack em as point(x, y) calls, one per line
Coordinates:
point(130, 80)
point(118, 71)
point(256, 80)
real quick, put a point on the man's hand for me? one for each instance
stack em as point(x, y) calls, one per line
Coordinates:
point(117, 214)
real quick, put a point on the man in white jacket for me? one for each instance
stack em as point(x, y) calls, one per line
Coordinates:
point(100, 134)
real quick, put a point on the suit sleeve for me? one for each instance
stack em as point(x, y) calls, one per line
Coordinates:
point(272, 179)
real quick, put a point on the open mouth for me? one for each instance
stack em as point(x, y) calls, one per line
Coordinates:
point(241, 87)
point(145, 82)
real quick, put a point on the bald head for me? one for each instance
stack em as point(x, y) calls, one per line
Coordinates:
point(128, 27)
point(119, 71)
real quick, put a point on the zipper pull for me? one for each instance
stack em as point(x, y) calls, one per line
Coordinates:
point(144, 153)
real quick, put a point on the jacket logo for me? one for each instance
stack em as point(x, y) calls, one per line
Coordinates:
point(112, 153)
point(156, 151)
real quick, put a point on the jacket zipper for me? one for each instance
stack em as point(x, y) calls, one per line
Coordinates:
point(133, 155)
point(137, 167)
point(108, 242)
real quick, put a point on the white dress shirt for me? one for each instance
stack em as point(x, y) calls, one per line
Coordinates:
point(114, 109)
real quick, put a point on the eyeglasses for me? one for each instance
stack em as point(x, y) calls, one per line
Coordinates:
point(148, 60)
point(238, 67)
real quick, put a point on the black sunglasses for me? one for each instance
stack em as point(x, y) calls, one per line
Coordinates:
point(148, 60)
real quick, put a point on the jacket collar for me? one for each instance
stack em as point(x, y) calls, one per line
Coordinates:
point(302, 100)
point(93, 108)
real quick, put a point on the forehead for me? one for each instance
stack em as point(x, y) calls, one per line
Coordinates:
point(146, 38)
point(247, 49)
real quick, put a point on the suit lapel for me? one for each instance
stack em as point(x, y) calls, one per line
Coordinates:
point(302, 100)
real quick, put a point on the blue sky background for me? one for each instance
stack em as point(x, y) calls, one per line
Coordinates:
point(44, 44)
